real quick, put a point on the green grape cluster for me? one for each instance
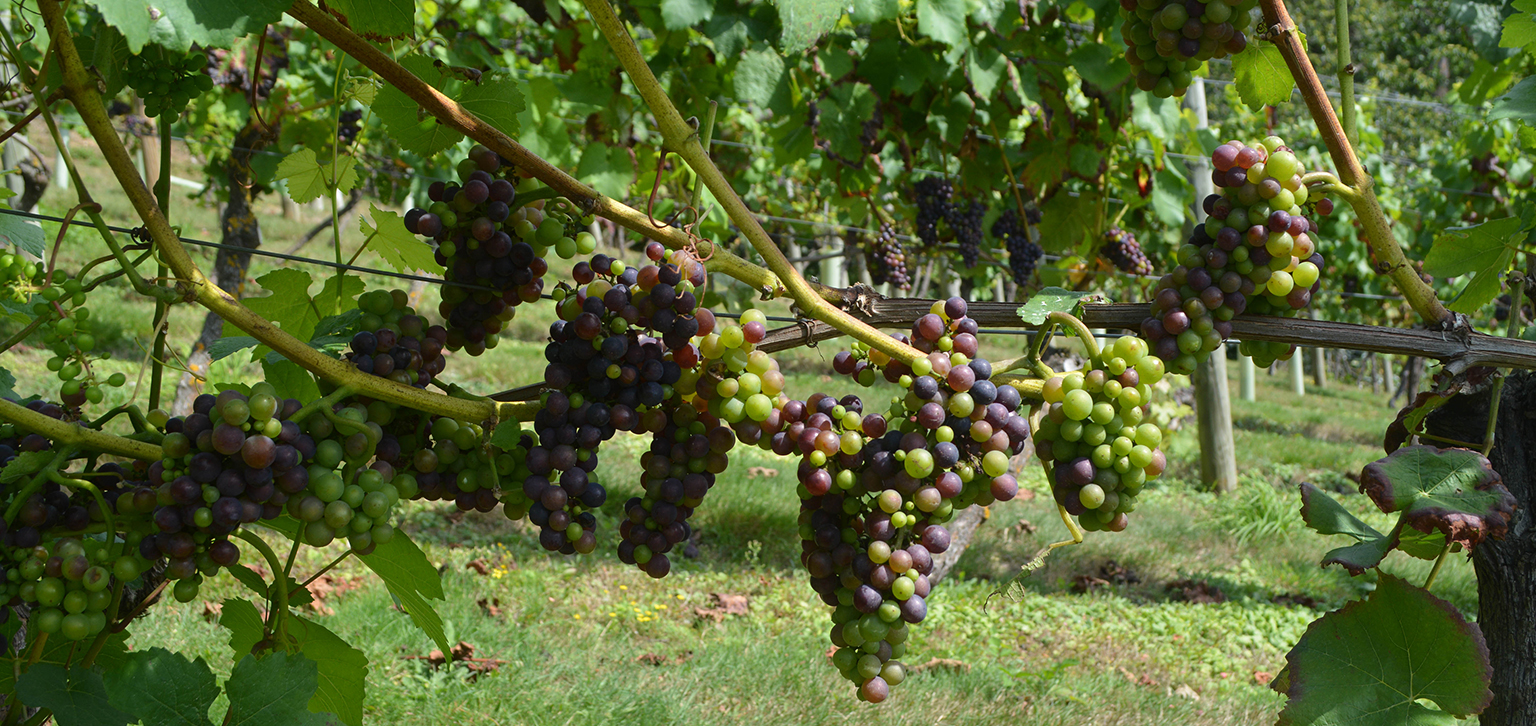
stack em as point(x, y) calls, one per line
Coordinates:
point(18, 276)
point(1168, 40)
point(68, 334)
point(166, 80)
point(68, 582)
point(1095, 437)
point(357, 501)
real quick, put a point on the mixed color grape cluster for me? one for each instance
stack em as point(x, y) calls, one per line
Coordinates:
point(887, 258)
point(69, 335)
point(491, 247)
point(167, 80)
point(1168, 40)
point(1121, 249)
point(1254, 254)
point(1096, 438)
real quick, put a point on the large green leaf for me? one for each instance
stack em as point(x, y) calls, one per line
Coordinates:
point(273, 690)
point(389, 239)
point(943, 20)
point(758, 75)
point(609, 169)
point(341, 670)
point(309, 178)
point(244, 623)
point(412, 579)
point(163, 688)
point(1519, 103)
point(1520, 28)
point(679, 14)
point(377, 19)
point(804, 21)
point(985, 66)
point(1369, 663)
point(415, 130)
point(75, 695)
point(23, 234)
point(1262, 76)
point(1482, 250)
point(497, 99)
point(1100, 65)
point(177, 24)
point(1455, 491)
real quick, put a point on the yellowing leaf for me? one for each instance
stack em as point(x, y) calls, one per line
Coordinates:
point(403, 251)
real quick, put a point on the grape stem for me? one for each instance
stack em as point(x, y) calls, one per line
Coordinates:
point(321, 571)
point(1078, 328)
point(1389, 256)
point(454, 116)
point(683, 140)
point(1435, 571)
point(140, 424)
point(143, 605)
point(277, 619)
point(1516, 296)
point(106, 511)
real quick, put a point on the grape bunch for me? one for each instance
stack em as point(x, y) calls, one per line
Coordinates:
point(1023, 254)
point(394, 342)
point(1253, 254)
point(348, 125)
point(1168, 40)
point(876, 489)
point(932, 195)
point(887, 258)
point(18, 276)
point(69, 336)
point(167, 80)
point(965, 219)
point(491, 252)
point(68, 582)
point(1096, 437)
point(1121, 249)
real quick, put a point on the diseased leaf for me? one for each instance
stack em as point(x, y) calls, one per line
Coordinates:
point(163, 688)
point(376, 19)
point(390, 240)
point(273, 690)
point(412, 579)
point(341, 670)
point(76, 696)
point(1053, 300)
point(1262, 76)
point(177, 24)
point(1369, 663)
point(497, 99)
point(1455, 491)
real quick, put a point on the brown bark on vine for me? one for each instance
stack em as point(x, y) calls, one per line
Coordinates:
point(241, 233)
point(1506, 569)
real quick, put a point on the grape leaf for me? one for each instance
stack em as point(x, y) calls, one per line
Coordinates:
point(609, 169)
point(1169, 195)
point(1520, 28)
point(1368, 663)
point(226, 347)
point(244, 623)
point(497, 99)
point(76, 695)
point(874, 11)
point(1455, 491)
point(161, 687)
point(341, 670)
point(25, 464)
point(679, 14)
point(289, 306)
point(273, 690)
point(1483, 250)
point(177, 24)
point(309, 179)
point(376, 19)
point(1262, 76)
point(412, 579)
point(1100, 65)
point(507, 435)
point(1519, 103)
point(388, 237)
point(843, 113)
point(1325, 515)
point(416, 131)
point(7, 383)
point(758, 75)
point(290, 380)
point(803, 21)
point(1051, 300)
point(943, 20)
point(249, 578)
point(23, 234)
point(985, 66)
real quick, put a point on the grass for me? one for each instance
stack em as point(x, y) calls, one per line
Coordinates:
point(1119, 630)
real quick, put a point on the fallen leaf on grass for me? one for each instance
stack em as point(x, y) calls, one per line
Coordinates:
point(490, 606)
point(1184, 691)
point(212, 611)
point(724, 605)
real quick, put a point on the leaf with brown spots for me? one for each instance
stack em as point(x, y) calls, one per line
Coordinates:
point(1454, 491)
